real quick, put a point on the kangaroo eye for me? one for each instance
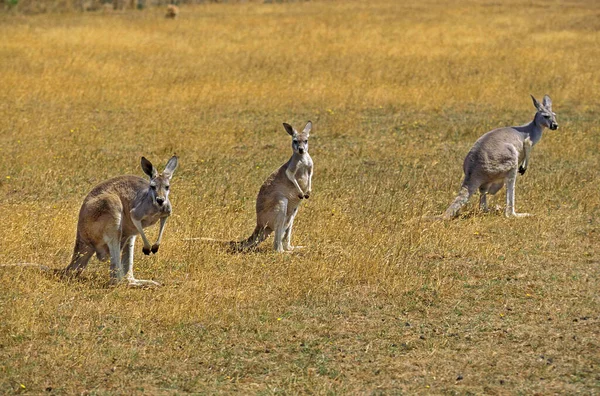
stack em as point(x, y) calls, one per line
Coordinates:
point(546, 116)
point(152, 186)
point(167, 188)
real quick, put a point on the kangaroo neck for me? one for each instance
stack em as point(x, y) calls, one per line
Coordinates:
point(532, 130)
point(297, 158)
point(145, 197)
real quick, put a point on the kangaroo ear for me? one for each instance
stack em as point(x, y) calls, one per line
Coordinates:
point(547, 102)
point(536, 103)
point(307, 128)
point(289, 129)
point(171, 166)
point(148, 168)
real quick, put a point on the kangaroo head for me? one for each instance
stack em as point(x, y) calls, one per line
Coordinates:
point(545, 116)
point(159, 182)
point(299, 140)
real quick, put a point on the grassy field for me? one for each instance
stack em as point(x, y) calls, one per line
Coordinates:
point(380, 301)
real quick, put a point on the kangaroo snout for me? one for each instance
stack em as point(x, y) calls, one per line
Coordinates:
point(301, 150)
point(554, 126)
point(160, 201)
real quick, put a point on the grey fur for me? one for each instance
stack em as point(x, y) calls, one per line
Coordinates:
point(496, 157)
point(114, 213)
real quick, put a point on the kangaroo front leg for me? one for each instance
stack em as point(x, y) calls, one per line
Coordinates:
point(155, 247)
point(527, 144)
point(138, 226)
point(510, 195)
point(291, 174)
point(309, 189)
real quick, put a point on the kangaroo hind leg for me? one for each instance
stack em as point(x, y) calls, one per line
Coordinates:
point(127, 262)
point(116, 268)
point(279, 225)
point(511, 179)
point(483, 191)
point(287, 235)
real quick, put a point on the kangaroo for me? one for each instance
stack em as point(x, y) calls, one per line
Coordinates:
point(280, 195)
point(114, 213)
point(496, 157)
point(172, 11)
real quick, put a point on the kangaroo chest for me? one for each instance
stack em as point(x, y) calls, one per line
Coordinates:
point(303, 171)
point(150, 220)
point(153, 215)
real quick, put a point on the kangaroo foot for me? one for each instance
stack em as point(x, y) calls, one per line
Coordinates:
point(142, 283)
point(290, 248)
point(514, 214)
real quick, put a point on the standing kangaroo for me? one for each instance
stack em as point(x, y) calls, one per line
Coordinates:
point(280, 195)
point(114, 213)
point(497, 156)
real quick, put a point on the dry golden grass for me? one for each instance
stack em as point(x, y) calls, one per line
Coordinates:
point(380, 301)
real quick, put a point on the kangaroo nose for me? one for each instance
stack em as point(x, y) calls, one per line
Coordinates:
point(160, 201)
point(301, 150)
point(554, 126)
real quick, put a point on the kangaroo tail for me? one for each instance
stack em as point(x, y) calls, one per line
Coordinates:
point(432, 218)
point(221, 242)
point(257, 237)
point(206, 240)
point(463, 196)
point(35, 265)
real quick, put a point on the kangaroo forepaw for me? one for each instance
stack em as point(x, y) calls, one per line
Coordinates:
point(146, 250)
point(522, 170)
point(155, 248)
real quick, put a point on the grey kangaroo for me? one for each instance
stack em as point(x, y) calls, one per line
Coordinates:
point(280, 195)
point(496, 157)
point(114, 213)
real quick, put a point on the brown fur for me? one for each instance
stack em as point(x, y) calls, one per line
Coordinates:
point(114, 213)
point(278, 198)
point(172, 11)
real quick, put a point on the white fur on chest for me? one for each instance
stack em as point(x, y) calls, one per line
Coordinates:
point(303, 171)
